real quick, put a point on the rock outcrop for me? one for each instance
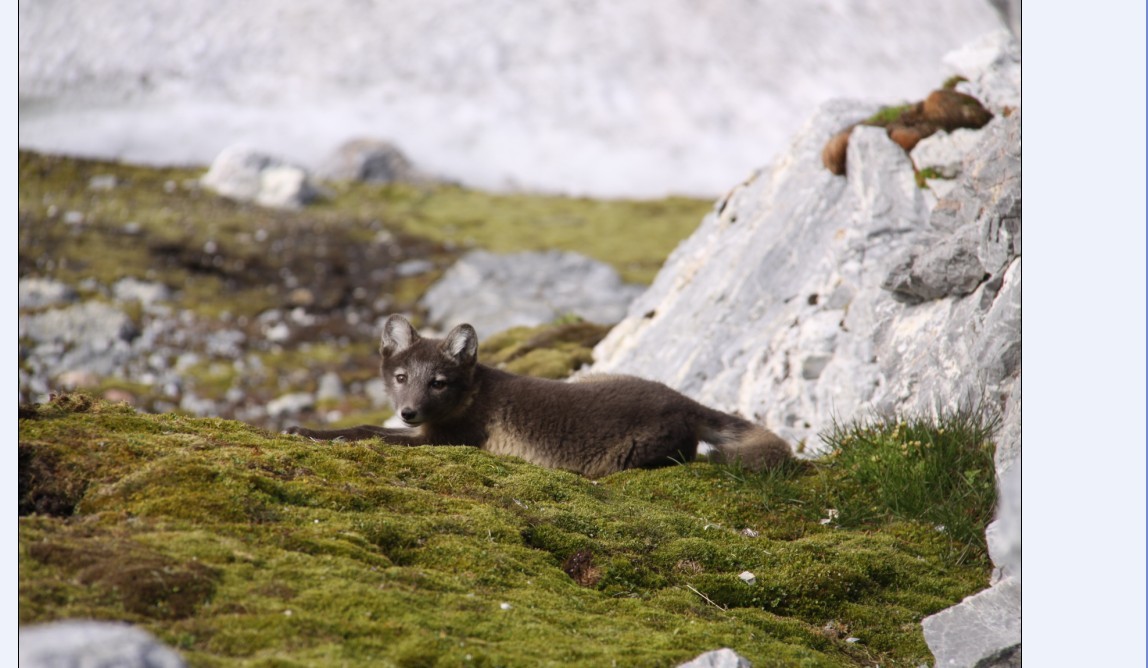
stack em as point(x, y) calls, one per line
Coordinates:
point(806, 298)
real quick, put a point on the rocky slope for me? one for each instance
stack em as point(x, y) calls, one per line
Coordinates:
point(823, 298)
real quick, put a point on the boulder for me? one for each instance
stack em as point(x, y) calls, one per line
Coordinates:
point(370, 161)
point(247, 175)
point(495, 292)
point(93, 644)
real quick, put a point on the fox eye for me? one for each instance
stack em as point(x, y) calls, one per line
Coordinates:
point(400, 378)
point(437, 384)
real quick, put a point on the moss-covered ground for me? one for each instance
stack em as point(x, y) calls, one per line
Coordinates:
point(242, 548)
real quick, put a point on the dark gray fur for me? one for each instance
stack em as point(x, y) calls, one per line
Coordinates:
point(596, 426)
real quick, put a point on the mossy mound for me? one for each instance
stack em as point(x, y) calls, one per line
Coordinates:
point(239, 547)
point(549, 351)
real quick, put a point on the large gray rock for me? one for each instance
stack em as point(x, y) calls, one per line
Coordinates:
point(495, 292)
point(246, 175)
point(806, 298)
point(371, 161)
point(92, 644)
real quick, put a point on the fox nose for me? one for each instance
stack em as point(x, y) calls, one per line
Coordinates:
point(408, 414)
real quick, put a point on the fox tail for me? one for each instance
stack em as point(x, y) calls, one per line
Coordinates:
point(739, 441)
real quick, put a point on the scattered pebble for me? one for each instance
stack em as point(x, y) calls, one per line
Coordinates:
point(102, 182)
point(747, 577)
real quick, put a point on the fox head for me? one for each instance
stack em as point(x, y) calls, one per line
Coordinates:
point(428, 380)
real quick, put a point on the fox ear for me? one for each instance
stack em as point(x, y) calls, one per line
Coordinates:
point(398, 335)
point(462, 345)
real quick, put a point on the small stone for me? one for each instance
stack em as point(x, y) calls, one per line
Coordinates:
point(73, 218)
point(102, 182)
point(505, 606)
point(413, 268)
point(749, 533)
point(277, 333)
point(330, 387)
point(747, 577)
point(289, 404)
point(301, 297)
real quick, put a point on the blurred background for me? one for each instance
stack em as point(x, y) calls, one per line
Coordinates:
point(582, 97)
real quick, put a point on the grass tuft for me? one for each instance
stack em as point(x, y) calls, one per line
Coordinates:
point(935, 471)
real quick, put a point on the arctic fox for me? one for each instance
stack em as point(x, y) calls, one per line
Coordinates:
point(595, 426)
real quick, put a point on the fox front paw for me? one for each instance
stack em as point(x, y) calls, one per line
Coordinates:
point(298, 431)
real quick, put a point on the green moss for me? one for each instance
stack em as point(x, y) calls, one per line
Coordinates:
point(922, 176)
point(287, 552)
point(887, 115)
